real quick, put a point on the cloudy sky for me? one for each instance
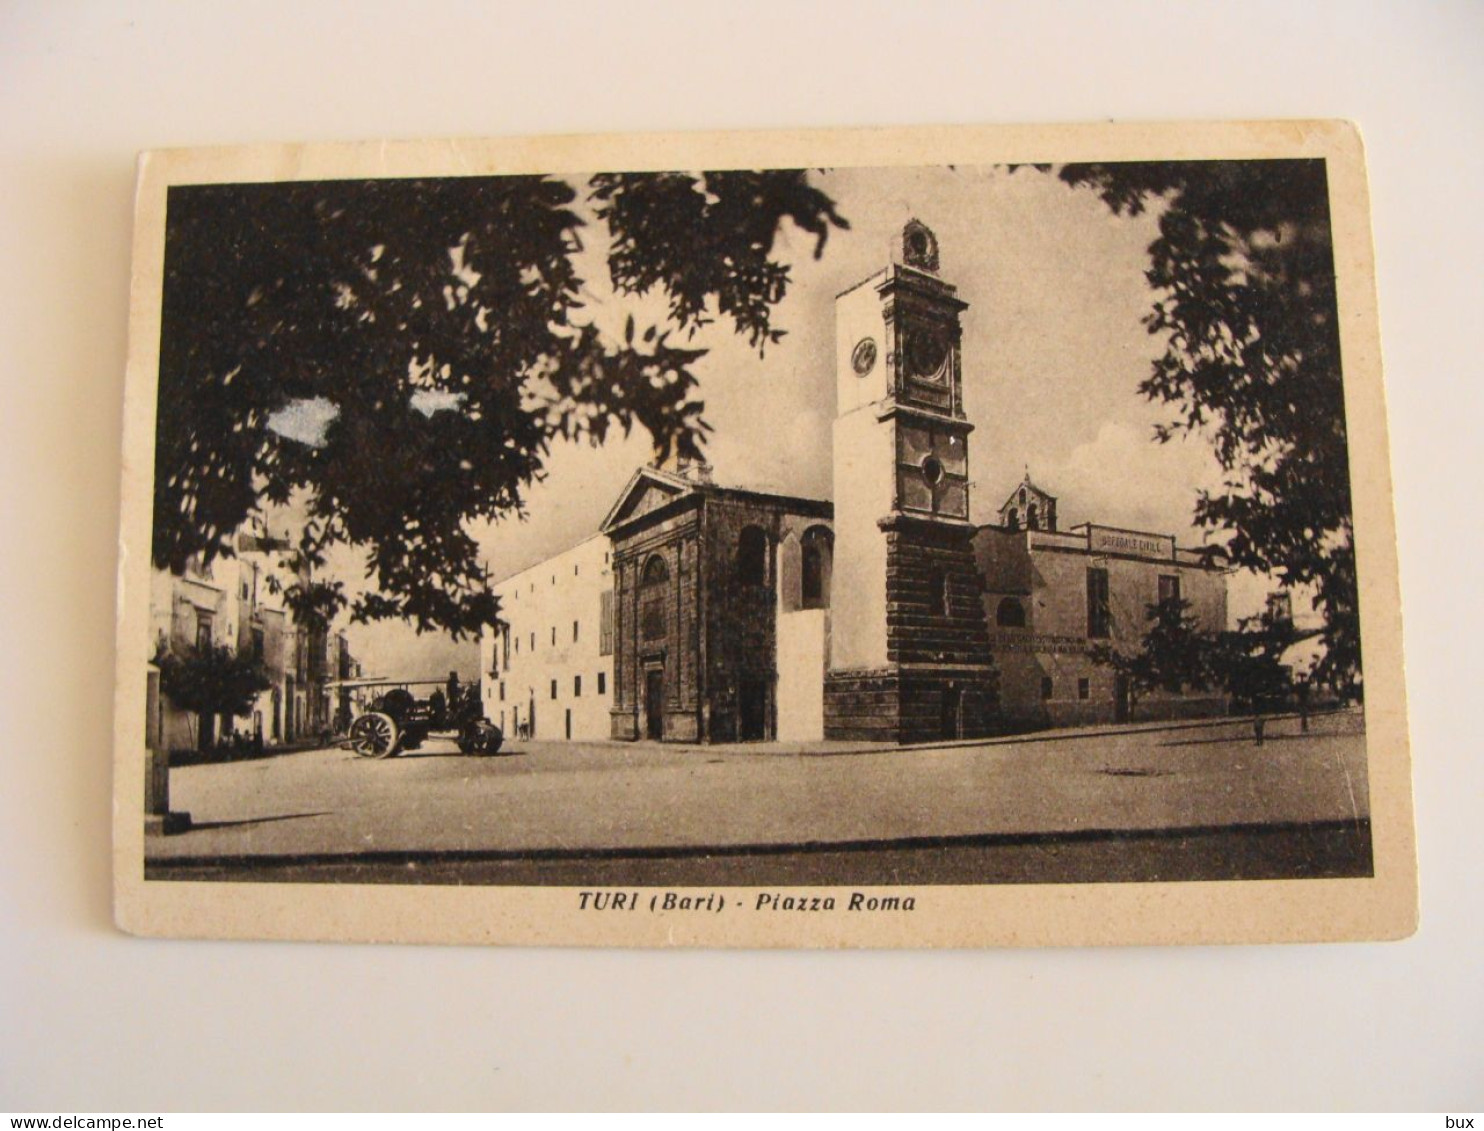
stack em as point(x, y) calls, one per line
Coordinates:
point(1053, 352)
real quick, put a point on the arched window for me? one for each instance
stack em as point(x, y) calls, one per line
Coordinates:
point(938, 593)
point(818, 549)
point(653, 599)
point(1032, 517)
point(655, 572)
point(752, 557)
point(1012, 523)
point(1010, 614)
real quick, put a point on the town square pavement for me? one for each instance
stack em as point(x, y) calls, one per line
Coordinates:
point(559, 798)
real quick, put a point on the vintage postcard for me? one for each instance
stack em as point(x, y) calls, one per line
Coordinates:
point(904, 538)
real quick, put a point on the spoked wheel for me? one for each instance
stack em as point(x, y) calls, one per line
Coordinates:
point(480, 738)
point(374, 735)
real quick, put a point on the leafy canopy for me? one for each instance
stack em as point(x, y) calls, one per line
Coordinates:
point(1243, 274)
point(1176, 655)
point(401, 354)
point(1249, 664)
point(211, 680)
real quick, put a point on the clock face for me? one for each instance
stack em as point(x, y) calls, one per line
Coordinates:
point(863, 360)
point(925, 352)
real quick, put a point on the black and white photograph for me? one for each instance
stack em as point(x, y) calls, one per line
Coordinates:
point(828, 557)
point(759, 544)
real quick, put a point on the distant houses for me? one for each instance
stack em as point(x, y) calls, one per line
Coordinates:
point(237, 603)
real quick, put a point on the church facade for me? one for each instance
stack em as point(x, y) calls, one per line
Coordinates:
point(717, 593)
point(885, 614)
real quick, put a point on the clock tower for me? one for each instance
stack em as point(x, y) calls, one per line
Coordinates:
point(909, 645)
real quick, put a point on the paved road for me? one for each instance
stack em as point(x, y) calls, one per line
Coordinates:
point(556, 802)
point(1305, 852)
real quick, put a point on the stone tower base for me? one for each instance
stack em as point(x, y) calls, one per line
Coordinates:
point(911, 704)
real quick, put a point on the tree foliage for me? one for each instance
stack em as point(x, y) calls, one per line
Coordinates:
point(710, 240)
point(402, 354)
point(1243, 275)
point(1249, 664)
point(313, 605)
point(1175, 654)
point(211, 680)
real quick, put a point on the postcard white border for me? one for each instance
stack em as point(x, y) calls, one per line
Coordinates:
point(1381, 907)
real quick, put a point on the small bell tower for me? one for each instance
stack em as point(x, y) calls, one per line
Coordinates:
point(909, 654)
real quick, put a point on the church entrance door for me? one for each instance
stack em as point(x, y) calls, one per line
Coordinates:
point(752, 695)
point(654, 703)
point(950, 726)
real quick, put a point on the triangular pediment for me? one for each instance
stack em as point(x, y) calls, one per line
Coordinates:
point(648, 490)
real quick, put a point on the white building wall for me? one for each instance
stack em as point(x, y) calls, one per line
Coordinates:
point(864, 470)
point(1046, 672)
point(547, 661)
point(859, 317)
point(802, 638)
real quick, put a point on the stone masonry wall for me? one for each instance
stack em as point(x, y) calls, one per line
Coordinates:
point(740, 618)
point(915, 632)
point(941, 682)
point(910, 704)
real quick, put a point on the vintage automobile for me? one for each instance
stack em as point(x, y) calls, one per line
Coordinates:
point(392, 718)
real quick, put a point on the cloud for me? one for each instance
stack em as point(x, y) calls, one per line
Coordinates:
point(1122, 477)
point(785, 450)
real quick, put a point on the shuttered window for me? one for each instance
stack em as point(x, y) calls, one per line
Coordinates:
point(1099, 619)
point(605, 624)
